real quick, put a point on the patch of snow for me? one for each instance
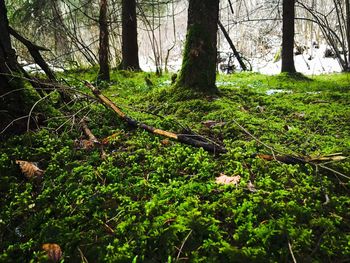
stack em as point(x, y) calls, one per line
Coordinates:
point(312, 62)
point(35, 68)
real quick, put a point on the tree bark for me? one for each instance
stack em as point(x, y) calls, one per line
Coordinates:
point(104, 43)
point(11, 105)
point(130, 49)
point(288, 36)
point(8, 60)
point(198, 70)
point(347, 26)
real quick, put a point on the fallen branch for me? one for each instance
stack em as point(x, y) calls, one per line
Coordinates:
point(88, 132)
point(290, 159)
point(184, 138)
point(235, 52)
point(199, 141)
point(93, 141)
point(315, 161)
point(34, 50)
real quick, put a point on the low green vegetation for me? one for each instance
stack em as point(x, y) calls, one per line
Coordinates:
point(156, 200)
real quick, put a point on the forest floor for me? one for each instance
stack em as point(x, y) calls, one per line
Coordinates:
point(152, 199)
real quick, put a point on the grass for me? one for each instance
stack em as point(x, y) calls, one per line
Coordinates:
point(156, 201)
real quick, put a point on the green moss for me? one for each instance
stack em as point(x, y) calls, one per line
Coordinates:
point(149, 197)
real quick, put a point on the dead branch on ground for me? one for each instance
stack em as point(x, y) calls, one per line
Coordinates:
point(184, 138)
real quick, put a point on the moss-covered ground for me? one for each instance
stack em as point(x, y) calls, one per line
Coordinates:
point(154, 200)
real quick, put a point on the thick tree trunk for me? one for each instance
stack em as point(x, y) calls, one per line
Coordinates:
point(288, 36)
point(198, 70)
point(104, 44)
point(8, 61)
point(11, 105)
point(130, 49)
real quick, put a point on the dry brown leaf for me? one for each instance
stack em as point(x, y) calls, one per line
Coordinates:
point(29, 169)
point(165, 142)
point(224, 179)
point(53, 251)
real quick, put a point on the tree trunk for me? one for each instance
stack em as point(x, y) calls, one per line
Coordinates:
point(347, 26)
point(198, 70)
point(104, 44)
point(11, 105)
point(8, 61)
point(130, 49)
point(288, 36)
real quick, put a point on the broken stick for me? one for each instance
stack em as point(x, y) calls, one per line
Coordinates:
point(184, 138)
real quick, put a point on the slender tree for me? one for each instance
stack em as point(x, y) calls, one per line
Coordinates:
point(104, 43)
point(130, 49)
point(199, 59)
point(288, 36)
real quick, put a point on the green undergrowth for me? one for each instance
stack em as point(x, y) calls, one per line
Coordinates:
point(153, 200)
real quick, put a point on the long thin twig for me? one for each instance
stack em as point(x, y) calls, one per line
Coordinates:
point(182, 245)
point(291, 252)
point(12, 122)
point(301, 160)
point(31, 110)
point(334, 171)
point(83, 258)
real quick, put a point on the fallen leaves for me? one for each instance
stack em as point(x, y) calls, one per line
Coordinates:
point(30, 170)
point(53, 251)
point(224, 179)
point(234, 180)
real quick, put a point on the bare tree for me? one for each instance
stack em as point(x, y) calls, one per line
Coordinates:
point(334, 23)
